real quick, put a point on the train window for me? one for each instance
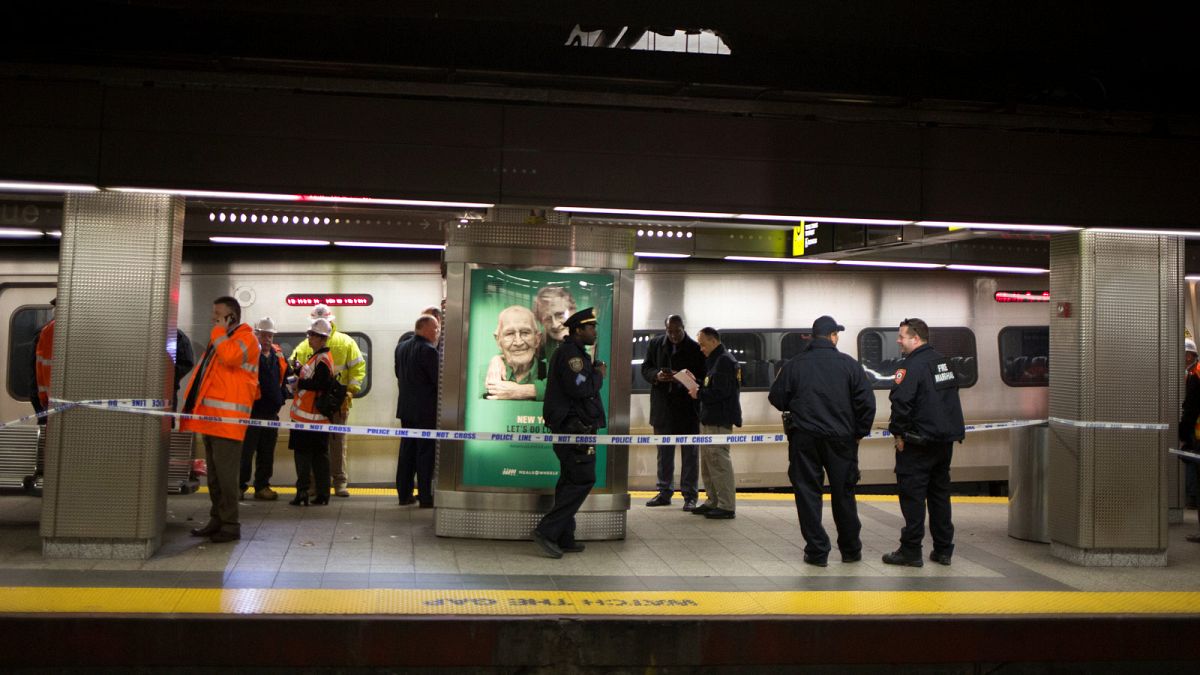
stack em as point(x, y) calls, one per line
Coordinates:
point(793, 343)
point(641, 345)
point(1025, 356)
point(23, 327)
point(749, 348)
point(880, 355)
point(288, 342)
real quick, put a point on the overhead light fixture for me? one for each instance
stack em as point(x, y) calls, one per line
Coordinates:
point(389, 244)
point(1154, 233)
point(19, 233)
point(394, 202)
point(820, 219)
point(655, 254)
point(997, 226)
point(1192, 277)
point(268, 241)
point(998, 268)
point(640, 212)
point(29, 186)
point(212, 194)
point(889, 263)
point(57, 234)
point(805, 261)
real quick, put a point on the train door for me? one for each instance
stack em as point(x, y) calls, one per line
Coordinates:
point(26, 309)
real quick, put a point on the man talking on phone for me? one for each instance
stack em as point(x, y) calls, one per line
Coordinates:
point(224, 385)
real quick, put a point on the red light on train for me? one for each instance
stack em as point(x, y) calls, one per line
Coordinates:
point(331, 299)
point(1022, 296)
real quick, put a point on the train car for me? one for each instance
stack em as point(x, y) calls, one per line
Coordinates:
point(764, 313)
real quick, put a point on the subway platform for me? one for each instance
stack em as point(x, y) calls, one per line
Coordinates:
point(364, 584)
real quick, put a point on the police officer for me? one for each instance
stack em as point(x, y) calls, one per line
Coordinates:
point(572, 406)
point(926, 420)
point(830, 408)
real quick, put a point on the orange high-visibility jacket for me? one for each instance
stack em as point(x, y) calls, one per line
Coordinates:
point(304, 404)
point(44, 355)
point(230, 384)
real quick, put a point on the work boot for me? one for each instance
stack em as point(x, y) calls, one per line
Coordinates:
point(266, 494)
point(897, 557)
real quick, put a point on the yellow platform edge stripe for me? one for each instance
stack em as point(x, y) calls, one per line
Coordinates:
point(432, 602)
point(647, 494)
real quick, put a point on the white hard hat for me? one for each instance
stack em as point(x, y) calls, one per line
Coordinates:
point(321, 327)
point(1189, 345)
point(265, 325)
point(321, 312)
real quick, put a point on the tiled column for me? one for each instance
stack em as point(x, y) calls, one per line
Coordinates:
point(1116, 346)
point(118, 293)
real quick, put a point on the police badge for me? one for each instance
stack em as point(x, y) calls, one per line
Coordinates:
point(576, 364)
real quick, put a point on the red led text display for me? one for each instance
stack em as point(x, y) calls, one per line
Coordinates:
point(331, 299)
point(1022, 296)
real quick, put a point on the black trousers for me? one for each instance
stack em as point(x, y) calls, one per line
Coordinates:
point(311, 451)
point(416, 456)
point(259, 441)
point(689, 456)
point(577, 475)
point(809, 458)
point(923, 476)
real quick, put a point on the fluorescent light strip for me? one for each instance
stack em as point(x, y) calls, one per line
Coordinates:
point(268, 241)
point(655, 254)
point(883, 263)
point(998, 268)
point(16, 185)
point(638, 212)
point(57, 234)
point(19, 233)
point(1155, 233)
point(819, 219)
point(805, 261)
point(389, 244)
point(998, 226)
point(396, 202)
point(1192, 277)
point(215, 194)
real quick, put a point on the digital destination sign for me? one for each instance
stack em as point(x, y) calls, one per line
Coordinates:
point(331, 299)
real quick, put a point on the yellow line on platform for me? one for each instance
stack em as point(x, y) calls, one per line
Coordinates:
point(647, 494)
point(428, 602)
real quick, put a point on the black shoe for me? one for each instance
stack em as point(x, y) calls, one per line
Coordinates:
point(301, 499)
point(222, 536)
point(815, 561)
point(898, 558)
point(573, 547)
point(940, 558)
point(659, 500)
point(701, 510)
point(719, 514)
point(852, 557)
point(321, 500)
point(689, 505)
point(549, 548)
point(409, 501)
point(209, 529)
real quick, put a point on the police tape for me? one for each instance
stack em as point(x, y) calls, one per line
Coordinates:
point(1128, 426)
point(1183, 453)
point(162, 408)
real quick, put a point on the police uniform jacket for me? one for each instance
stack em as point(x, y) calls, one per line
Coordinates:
point(669, 401)
point(925, 405)
point(573, 391)
point(417, 372)
point(720, 392)
point(826, 391)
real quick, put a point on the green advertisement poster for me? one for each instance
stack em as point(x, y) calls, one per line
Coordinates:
point(516, 323)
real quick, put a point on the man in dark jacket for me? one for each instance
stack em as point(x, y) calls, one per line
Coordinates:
point(672, 410)
point(831, 407)
point(417, 375)
point(720, 412)
point(273, 370)
point(926, 420)
point(572, 406)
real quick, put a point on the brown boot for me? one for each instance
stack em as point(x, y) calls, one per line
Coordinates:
point(266, 494)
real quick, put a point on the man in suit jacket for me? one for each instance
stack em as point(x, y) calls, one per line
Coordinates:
point(417, 373)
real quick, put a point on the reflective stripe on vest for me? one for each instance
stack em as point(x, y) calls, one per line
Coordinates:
point(225, 405)
point(43, 362)
point(304, 404)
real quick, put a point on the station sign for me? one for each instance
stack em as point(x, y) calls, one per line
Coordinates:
point(330, 299)
point(1022, 296)
point(810, 238)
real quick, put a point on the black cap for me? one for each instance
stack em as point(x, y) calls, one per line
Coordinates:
point(583, 316)
point(825, 325)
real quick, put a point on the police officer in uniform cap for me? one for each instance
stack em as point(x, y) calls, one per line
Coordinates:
point(572, 406)
point(926, 420)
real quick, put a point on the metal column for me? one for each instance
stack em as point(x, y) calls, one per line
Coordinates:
point(1116, 344)
point(118, 294)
